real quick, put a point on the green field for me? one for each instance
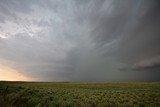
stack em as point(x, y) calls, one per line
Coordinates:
point(79, 94)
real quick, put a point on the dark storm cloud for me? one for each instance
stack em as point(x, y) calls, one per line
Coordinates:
point(152, 64)
point(85, 40)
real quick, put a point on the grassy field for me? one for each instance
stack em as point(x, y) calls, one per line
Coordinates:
point(79, 94)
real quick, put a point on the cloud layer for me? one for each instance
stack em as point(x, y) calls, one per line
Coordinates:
point(85, 40)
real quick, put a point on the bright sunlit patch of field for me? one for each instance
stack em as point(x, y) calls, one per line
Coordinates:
point(10, 74)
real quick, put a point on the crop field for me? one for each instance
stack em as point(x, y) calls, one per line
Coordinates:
point(79, 94)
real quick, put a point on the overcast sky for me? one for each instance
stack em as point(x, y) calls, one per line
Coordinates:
point(80, 40)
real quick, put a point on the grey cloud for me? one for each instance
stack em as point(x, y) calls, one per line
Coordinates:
point(81, 40)
point(152, 64)
point(143, 39)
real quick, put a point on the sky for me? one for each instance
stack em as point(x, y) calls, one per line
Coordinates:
point(80, 40)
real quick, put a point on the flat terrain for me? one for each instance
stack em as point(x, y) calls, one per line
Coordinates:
point(79, 94)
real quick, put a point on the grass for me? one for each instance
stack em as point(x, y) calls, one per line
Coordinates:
point(79, 94)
